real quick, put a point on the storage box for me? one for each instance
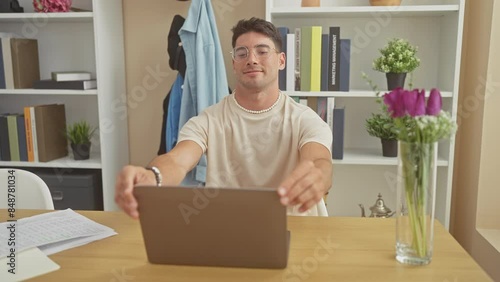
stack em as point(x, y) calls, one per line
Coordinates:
point(78, 191)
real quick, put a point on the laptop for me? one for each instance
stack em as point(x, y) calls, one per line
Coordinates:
point(231, 227)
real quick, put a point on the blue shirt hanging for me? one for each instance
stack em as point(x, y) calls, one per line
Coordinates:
point(174, 105)
point(205, 82)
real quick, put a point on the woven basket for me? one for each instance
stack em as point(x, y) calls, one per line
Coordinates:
point(385, 2)
point(310, 3)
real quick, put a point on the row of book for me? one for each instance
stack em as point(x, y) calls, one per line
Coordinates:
point(75, 80)
point(20, 68)
point(333, 115)
point(19, 64)
point(315, 61)
point(36, 135)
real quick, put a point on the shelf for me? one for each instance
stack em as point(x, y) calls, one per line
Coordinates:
point(363, 11)
point(353, 94)
point(51, 17)
point(67, 162)
point(372, 157)
point(47, 92)
point(492, 236)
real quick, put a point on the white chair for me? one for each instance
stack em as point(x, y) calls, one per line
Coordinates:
point(322, 211)
point(30, 190)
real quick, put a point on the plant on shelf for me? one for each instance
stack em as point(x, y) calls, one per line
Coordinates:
point(382, 126)
point(397, 59)
point(80, 134)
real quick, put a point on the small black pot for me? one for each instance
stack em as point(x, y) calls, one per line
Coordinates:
point(395, 80)
point(81, 151)
point(389, 148)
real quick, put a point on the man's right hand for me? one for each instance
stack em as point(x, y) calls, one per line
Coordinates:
point(128, 177)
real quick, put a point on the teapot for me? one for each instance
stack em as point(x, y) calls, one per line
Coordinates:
point(378, 210)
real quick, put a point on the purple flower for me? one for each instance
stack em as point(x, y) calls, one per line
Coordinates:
point(434, 103)
point(395, 103)
point(419, 109)
point(410, 101)
point(414, 102)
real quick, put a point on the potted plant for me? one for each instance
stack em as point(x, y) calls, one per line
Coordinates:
point(79, 135)
point(397, 59)
point(382, 126)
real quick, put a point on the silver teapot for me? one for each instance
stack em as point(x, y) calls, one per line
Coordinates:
point(378, 210)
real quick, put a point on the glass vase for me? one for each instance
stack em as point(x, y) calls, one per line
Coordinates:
point(416, 192)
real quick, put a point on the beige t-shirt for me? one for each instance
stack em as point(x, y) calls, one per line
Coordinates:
point(255, 150)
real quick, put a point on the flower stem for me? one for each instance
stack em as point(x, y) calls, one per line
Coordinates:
point(417, 162)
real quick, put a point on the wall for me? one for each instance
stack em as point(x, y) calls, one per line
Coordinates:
point(149, 77)
point(476, 153)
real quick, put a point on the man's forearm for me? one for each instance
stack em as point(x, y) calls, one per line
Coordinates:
point(172, 173)
point(175, 164)
point(326, 167)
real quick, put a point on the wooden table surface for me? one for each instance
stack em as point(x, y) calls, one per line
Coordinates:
point(321, 249)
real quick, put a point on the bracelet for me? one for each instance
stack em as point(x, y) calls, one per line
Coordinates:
point(157, 173)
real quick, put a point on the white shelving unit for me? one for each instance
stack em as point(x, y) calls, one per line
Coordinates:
point(436, 27)
point(79, 41)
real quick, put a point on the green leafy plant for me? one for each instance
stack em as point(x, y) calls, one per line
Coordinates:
point(80, 132)
point(381, 126)
point(398, 56)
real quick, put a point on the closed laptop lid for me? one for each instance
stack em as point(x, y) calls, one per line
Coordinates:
point(238, 227)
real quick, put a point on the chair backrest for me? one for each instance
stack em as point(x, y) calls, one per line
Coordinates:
point(31, 192)
point(322, 211)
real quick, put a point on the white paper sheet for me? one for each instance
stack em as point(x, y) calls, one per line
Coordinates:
point(53, 232)
point(28, 264)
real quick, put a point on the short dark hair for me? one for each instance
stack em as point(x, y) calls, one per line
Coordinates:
point(260, 26)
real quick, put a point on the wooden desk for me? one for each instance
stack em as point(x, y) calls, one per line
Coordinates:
point(321, 249)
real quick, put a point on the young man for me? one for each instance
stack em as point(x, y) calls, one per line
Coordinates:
point(257, 136)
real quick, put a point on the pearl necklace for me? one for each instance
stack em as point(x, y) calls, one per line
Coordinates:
point(257, 112)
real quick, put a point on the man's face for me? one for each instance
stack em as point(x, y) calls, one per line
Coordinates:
point(257, 70)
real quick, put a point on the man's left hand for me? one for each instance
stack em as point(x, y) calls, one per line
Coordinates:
point(305, 186)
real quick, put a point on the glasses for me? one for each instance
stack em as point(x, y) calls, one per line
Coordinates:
point(261, 52)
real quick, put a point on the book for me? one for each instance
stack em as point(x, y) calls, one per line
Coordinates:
point(7, 63)
point(34, 133)
point(305, 58)
point(2, 72)
point(310, 56)
point(21, 137)
point(322, 107)
point(25, 63)
point(325, 58)
point(334, 50)
point(330, 105)
point(316, 58)
point(345, 64)
point(4, 138)
point(282, 73)
point(13, 139)
point(290, 62)
point(312, 102)
point(75, 85)
point(338, 133)
point(70, 76)
point(29, 134)
point(50, 128)
point(297, 58)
